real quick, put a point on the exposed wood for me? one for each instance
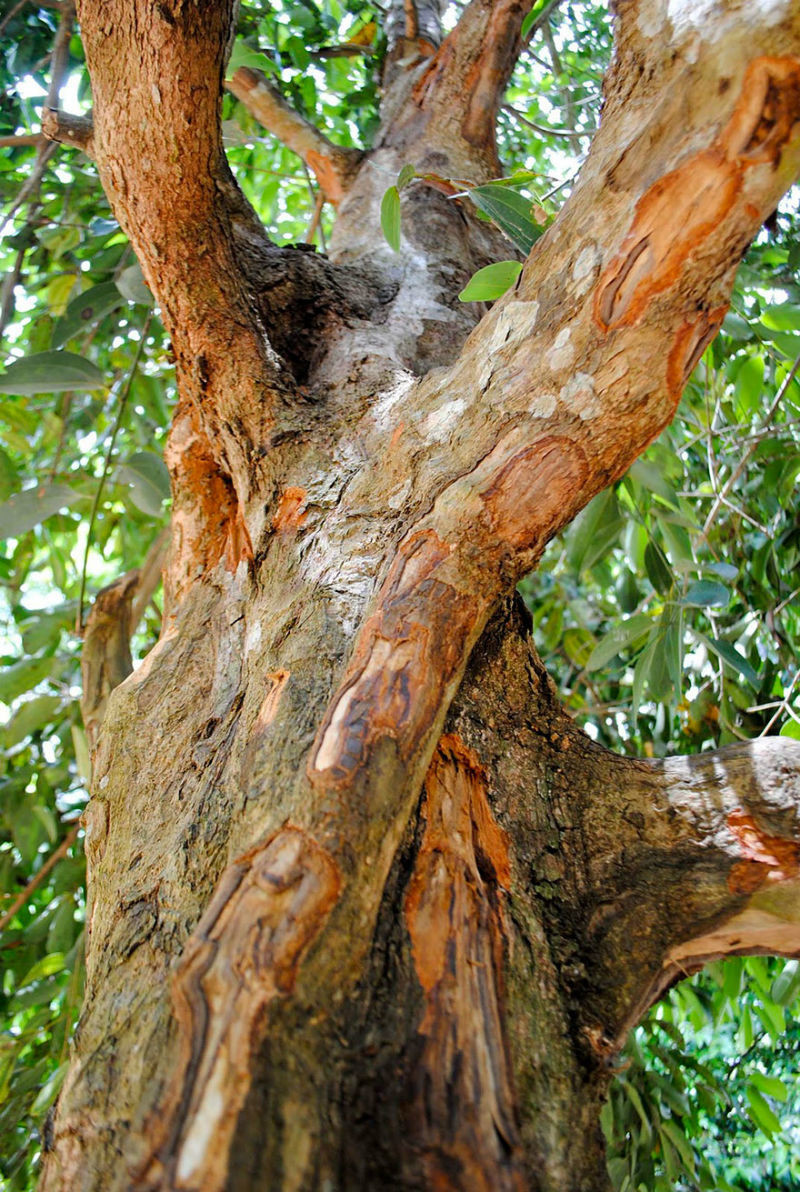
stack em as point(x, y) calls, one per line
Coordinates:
point(354, 497)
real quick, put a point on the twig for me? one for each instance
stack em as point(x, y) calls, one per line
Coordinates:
point(314, 225)
point(540, 20)
point(570, 133)
point(737, 471)
point(106, 466)
point(22, 138)
point(12, 12)
point(10, 282)
point(36, 881)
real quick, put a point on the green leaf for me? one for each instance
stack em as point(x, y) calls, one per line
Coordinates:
point(614, 642)
point(51, 372)
point(658, 569)
point(30, 716)
point(390, 217)
point(27, 509)
point(786, 986)
point(147, 474)
point(15, 680)
point(406, 175)
point(706, 593)
point(578, 645)
point(243, 55)
point(511, 211)
point(49, 1090)
point(536, 11)
point(131, 285)
point(48, 966)
point(733, 658)
point(491, 282)
point(761, 1113)
point(791, 729)
point(85, 310)
point(670, 1128)
point(770, 1085)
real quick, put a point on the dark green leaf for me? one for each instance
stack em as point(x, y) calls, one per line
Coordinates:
point(27, 509)
point(85, 310)
point(51, 372)
point(619, 638)
point(147, 473)
point(658, 569)
point(510, 211)
point(706, 593)
point(761, 1113)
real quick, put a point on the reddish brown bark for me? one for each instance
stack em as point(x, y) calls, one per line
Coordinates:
point(367, 989)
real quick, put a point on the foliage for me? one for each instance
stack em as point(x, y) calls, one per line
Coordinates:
point(668, 612)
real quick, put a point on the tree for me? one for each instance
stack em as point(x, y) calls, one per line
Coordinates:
point(366, 905)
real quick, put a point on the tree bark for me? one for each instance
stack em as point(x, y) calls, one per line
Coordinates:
point(365, 907)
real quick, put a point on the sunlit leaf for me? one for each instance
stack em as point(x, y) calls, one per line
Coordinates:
point(491, 282)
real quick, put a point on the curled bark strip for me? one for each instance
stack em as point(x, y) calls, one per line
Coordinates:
point(692, 339)
point(767, 113)
point(407, 653)
point(454, 916)
point(685, 207)
point(268, 908)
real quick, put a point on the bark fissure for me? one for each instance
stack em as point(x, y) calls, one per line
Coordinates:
point(362, 468)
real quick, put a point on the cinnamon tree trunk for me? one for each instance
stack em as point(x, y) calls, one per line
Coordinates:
point(366, 908)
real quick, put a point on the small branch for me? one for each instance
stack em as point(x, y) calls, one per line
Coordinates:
point(745, 459)
point(33, 180)
point(68, 129)
point(59, 59)
point(10, 282)
point(19, 139)
point(332, 165)
point(571, 133)
point(36, 881)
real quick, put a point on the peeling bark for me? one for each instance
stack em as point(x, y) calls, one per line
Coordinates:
point(370, 985)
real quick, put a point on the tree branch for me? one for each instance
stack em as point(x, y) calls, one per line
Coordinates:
point(697, 858)
point(68, 129)
point(464, 83)
point(332, 165)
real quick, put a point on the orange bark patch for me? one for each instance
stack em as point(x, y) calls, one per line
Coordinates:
point(327, 175)
point(766, 858)
point(691, 341)
point(268, 908)
point(407, 652)
point(768, 111)
point(291, 511)
point(238, 545)
point(266, 713)
point(685, 207)
point(530, 491)
point(676, 214)
point(454, 917)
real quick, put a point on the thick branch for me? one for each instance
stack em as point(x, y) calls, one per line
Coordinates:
point(690, 860)
point(462, 88)
point(158, 147)
point(333, 166)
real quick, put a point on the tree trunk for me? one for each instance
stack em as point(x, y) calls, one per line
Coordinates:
point(365, 907)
